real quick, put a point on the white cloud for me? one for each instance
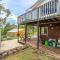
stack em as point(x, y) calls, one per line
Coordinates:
point(12, 17)
point(18, 6)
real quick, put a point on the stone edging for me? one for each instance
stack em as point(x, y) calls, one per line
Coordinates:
point(11, 51)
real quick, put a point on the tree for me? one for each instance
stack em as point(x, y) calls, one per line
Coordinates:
point(1, 8)
point(7, 28)
point(3, 11)
point(7, 11)
point(30, 31)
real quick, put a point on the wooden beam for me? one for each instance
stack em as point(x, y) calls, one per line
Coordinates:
point(48, 22)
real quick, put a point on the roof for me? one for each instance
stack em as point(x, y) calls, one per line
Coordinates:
point(37, 3)
point(34, 6)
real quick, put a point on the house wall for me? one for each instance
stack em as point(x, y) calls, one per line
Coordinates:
point(53, 31)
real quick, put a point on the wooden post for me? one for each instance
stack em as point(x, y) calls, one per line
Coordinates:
point(33, 29)
point(56, 42)
point(38, 29)
point(25, 33)
point(18, 32)
point(38, 35)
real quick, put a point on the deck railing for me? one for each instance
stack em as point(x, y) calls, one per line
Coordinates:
point(47, 10)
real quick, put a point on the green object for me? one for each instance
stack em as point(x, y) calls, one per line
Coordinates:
point(50, 43)
point(43, 42)
point(54, 44)
point(46, 43)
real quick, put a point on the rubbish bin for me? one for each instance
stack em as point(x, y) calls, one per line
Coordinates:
point(50, 43)
point(46, 43)
point(43, 42)
point(54, 43)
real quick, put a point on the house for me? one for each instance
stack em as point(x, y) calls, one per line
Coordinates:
point(45, 15)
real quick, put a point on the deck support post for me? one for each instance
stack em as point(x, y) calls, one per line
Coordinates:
point(56, 42)
point(33, 29)
point(38, 29)
point(38, 35)
point(25, 33)
point(18, 32)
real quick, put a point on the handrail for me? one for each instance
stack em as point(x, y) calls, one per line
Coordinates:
point(39, 16)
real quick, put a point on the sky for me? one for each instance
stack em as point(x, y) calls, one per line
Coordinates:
point(17, 7)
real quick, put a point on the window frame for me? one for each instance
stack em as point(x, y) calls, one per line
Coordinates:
point(44, 32)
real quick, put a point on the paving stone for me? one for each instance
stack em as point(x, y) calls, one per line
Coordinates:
point(10, 52)
point(4, 54)
point(14, 51)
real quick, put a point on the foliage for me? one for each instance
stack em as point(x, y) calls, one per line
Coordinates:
point(1, 8)
point(4, 14)
point(22, 26)
point(7, 28)
point(22, 34)
point(30, 30)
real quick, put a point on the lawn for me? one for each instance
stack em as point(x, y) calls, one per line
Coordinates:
point(28, 54)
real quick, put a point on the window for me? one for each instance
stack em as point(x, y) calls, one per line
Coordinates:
point(44, 9)
point(28, 16)
point(55, 5)
point(23, 17)
point(34, 14)
point(41, 10)
point(49, 8)
point(44, 30)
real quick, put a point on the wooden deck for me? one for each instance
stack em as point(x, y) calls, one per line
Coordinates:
point(51, 51)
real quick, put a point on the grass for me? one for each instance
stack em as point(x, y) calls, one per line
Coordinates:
point(28, 54)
